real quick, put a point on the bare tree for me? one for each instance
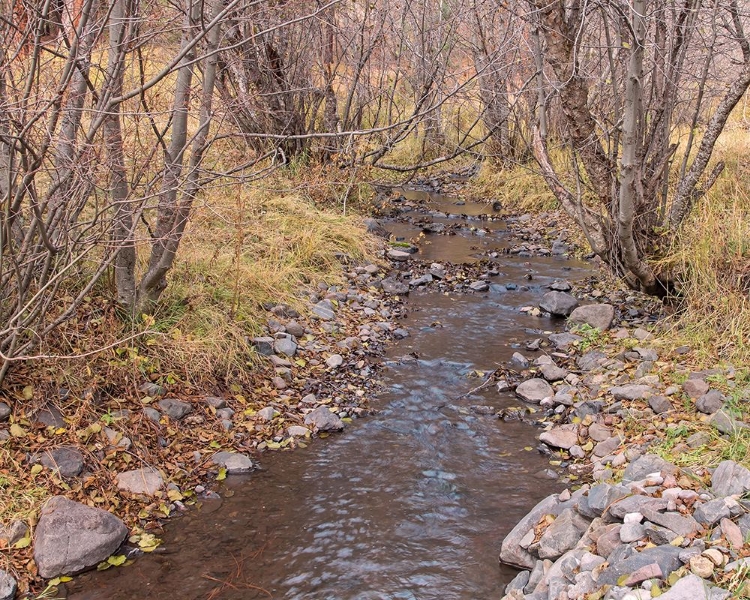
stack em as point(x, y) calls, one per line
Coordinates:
point(627, 84)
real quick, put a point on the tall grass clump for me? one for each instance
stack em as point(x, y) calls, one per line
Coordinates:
point(711, 260)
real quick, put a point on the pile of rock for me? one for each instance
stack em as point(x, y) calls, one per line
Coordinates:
point(631, 540)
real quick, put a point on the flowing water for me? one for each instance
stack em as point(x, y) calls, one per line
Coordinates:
point(411, 503)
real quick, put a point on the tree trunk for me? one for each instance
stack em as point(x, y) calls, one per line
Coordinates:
point(630, 165)
point(165, 249)
point(122, 238)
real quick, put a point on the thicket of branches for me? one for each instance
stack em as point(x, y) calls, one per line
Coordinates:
point(115, 115)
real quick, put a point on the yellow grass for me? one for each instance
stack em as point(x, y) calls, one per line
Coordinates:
point(711, 258)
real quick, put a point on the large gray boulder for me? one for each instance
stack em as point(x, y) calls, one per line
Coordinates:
point(558, 304)
point(534, 390)
point(72, 537)
point(595, 315)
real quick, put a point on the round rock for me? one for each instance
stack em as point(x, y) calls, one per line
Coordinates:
point(71, 537)
point(558, 304)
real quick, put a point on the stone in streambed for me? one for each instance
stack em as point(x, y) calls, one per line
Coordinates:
point(4, 411)
point(297, 431)
point(594, 315)
point(394, 288)
point(479, 286)
point(335, 361)
point(730, 479)
point(71, 537)
point(562, 341)
point(558, 304)
point(534, 390)
point(323, 419)
point(286, 346)
point(512, 552)
point(695, 388)
point(233, 462)
point(519, 361)
point(398, 255)
point(324, 310)
point(725, 423)
point(645, 465)
point(710, 513)
point(263, 345)
point(659, 404)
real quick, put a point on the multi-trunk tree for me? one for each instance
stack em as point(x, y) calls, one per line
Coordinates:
point(645, 88)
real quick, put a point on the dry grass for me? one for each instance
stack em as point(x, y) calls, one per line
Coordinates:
point(240, 253)
point(520, 189)
point(711, 258)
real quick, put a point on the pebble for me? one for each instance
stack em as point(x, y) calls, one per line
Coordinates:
point(701, 566)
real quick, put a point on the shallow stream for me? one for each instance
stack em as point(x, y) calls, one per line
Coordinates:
point(412, 503)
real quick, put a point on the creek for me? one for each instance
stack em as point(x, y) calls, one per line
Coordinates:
point(411, 503)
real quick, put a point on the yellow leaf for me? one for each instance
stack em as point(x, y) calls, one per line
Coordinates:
point(24, 542)
point(273, 445)
point(677, 542)
point(116, 561)
point(174, 495)
point(17, 431)
point(103, 566)
point(222, 474)
point(36, 469)
point(28, 392)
